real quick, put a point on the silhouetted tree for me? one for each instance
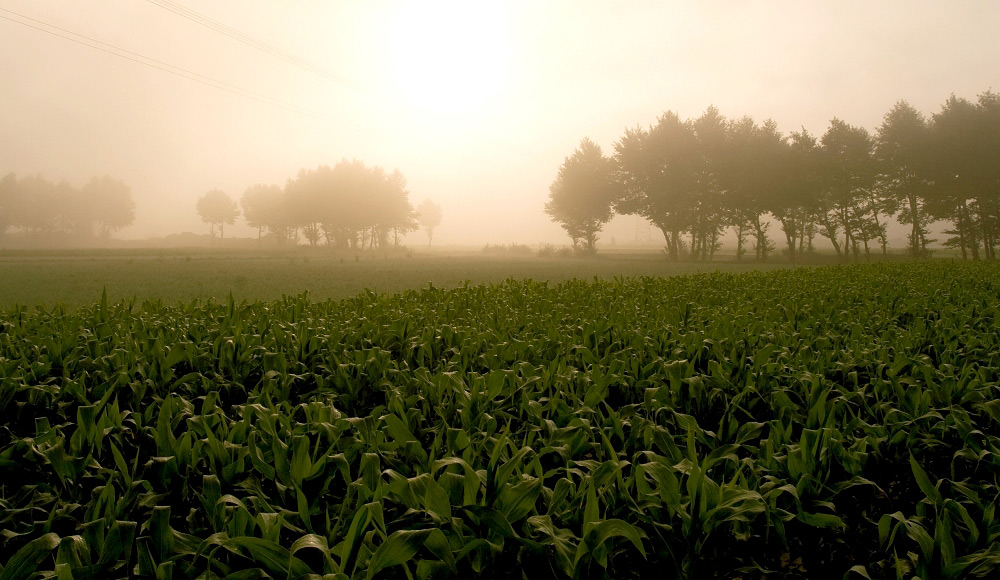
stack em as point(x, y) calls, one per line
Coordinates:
point(657, 169)
point(707, 215)
point(109, 202)
point(38, 205)
point(699, 177)
point(261, 205)
point(350, 205)
point(795, 200)
point(752, 175)
point(8, 189)
point(307, 197)
point(989, 155)
point(429, 217)
point(901, 148)
point(399, 217)
point(965, 146)
point(580, 198)
point(39, 211)
point(216, 207)
point(849, 175)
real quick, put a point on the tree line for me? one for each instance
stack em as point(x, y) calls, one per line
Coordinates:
point(37, 210)
point(694, 179)
point(349, 205)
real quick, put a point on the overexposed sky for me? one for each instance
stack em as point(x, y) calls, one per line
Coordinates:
point(476, 103)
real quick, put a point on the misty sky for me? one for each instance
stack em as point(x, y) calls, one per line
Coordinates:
point(476, 103)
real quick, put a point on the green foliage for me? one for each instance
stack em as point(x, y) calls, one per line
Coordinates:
point(834, 421)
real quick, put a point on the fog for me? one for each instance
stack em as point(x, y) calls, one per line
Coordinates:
point(476, 105)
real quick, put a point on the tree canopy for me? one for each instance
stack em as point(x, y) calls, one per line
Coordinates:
point(580, 198)
point(429, 217)
point(111, 202)
point(36, 211)
point(349, 205)
point(218, 209)
point(695, 179)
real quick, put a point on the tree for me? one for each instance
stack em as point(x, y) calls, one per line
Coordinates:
point(429, 217)
point(849, 176)
point(350, 204)
point(580, 198)
point(656, 173)
point(111, 205)
point(795, 201)
point(261, 205)
point(216, 207)
point(399, 215)
point(8, 190)
point(37, 205)
point(308, 199)
point(965, 144)
point(756, 157)
point(707, 196)
point(901, 150)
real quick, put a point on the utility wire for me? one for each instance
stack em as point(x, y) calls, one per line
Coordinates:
point(249, 40)
point(228, 87)
point(169, 68)
point(272, 50)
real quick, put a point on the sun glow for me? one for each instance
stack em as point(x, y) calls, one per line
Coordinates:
point(450, 57)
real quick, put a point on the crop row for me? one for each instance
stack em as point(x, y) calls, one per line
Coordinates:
point(821, 422)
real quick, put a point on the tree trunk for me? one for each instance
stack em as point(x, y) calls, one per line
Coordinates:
point(882, 234)
point(739, 241)
point(788, 228)
point(831, 232)
point(675, 242)
point(968, 234)
point(761, 239)
point(915, 230)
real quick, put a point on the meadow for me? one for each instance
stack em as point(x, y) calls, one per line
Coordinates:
point(837, 422)
point(77, 278)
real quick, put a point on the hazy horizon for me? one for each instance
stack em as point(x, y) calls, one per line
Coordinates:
point(476, 104)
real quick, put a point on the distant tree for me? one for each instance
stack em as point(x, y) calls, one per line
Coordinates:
point(260, 204)
point(989, 155)
point(795, 201)
point(110, 203)
point(75, 215)
point(280, 219)
point(849, 175)
point(706, 200)
point(657, 169)
point(216, 207)
point(350, 205)
point(901, 149)
point(965, 145)
point(755, 158)
point(399, 216)
point(308, 200)
point(429, 217)
point(580, 198)
point(8, 191)
point(37, 205)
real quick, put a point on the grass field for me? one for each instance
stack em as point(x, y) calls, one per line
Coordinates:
point(76, 278)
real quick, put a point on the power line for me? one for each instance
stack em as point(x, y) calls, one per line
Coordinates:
point(249, 40)
point(228, 87)
point(272, 50)
point(169, 68)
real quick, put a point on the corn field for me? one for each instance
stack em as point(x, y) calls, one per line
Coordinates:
point(839, 422)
